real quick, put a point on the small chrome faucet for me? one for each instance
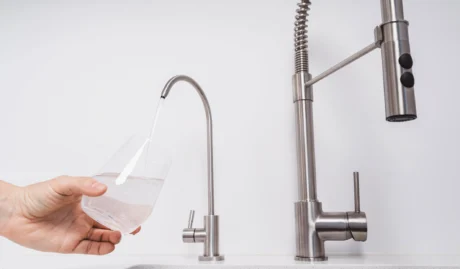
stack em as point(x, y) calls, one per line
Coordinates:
point(209, 235)
point(313, 226)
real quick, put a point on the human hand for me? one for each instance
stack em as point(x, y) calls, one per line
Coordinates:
point(47, 216)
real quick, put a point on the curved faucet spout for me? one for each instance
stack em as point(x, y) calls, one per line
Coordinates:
point(207, 109)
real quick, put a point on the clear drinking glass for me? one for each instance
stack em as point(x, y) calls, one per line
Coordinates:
point(134, 177)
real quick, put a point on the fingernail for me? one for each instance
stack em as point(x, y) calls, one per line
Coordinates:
point(98, 186)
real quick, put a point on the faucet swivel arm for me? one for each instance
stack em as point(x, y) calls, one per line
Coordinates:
point(374, 45)
point(209, 235)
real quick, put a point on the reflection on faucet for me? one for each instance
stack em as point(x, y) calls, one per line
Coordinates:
point(209, 235)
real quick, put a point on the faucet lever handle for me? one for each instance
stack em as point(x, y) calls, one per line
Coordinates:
point(356, 191)
point(357, 221)
point(190, 219)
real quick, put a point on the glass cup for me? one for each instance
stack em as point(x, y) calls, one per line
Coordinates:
point(134, 177)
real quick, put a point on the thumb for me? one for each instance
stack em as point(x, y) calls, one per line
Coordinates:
point(67, 186)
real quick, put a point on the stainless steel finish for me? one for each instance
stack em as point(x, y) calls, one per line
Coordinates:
point(188, 235)
point(313, 226)
point(343, 63)
point(357, 221)
point(306, 168)
point(211, 258)
point(301, 37)
point(356, 191)
point(303, 98)
point(310, 247)
point(211, 224)
point(392, 10)
point(333, 226)
point(209, 235)
point(378, 39)
point(190, 218)
point(399, 99)
point(357, 224)
point(207, 109)
point(378, 36)
point(299, 91)
point(200, 235)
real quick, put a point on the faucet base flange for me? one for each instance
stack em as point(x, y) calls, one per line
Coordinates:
point(211, 258)
point(309, 245)
point(307, 259)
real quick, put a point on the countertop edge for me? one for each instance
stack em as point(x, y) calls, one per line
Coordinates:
point(56, 261)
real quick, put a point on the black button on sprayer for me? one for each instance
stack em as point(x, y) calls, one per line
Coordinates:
point(407, 80)
point(405, 60)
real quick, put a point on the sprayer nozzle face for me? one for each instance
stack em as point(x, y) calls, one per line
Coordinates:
point(401, 118)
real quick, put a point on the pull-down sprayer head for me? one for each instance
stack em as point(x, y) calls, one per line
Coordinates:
point(397, 63)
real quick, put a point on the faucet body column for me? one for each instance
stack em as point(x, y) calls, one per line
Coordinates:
point(313, 226)
point(306, 168)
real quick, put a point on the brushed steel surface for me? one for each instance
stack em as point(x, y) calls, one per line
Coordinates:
point(209, 235)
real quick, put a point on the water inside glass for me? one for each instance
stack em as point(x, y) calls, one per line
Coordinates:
point(134, 177)
point(122, 208)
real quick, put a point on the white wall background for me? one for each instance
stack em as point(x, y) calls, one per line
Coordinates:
point(78, 77)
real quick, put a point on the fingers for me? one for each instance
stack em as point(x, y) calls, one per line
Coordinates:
point(136, 231)
point(100, 242)
point(67, 186)
point(100, 226)
point(101, 235)
point(94, 248)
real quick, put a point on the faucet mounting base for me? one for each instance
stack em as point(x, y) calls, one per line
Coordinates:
point(211, 258)
point(306, 259)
